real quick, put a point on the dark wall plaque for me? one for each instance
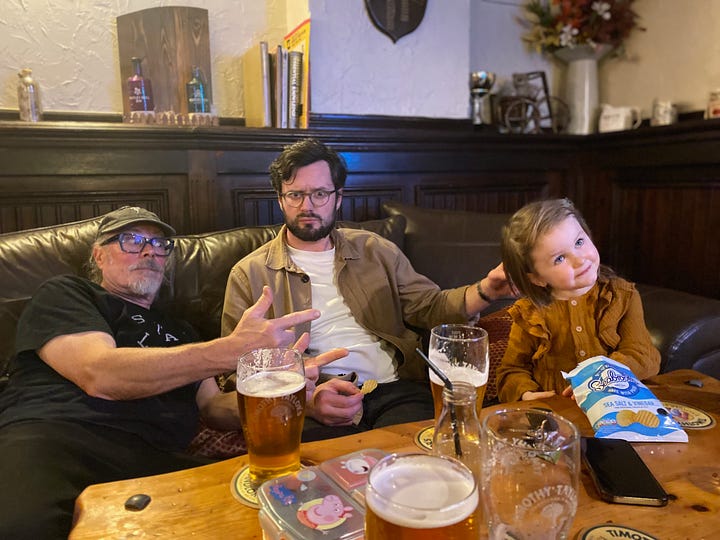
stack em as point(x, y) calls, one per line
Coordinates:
point(396, 18)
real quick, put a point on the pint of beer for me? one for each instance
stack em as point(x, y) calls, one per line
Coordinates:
point(271, 401)
point(420, 496)
point(462, 353)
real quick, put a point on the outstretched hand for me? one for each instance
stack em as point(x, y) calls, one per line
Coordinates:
point(258, 331)
point(314, 363)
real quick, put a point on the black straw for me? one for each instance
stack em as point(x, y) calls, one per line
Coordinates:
point(449, 386)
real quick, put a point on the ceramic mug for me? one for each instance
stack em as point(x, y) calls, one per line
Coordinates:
point(618, 118)
point(664, 113)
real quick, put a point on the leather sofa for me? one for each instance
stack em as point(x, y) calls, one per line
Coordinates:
point(451, 247)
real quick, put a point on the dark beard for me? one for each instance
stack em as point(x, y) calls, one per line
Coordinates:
point(308, 234)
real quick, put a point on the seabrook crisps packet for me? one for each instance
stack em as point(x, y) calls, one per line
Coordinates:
point(618, 405)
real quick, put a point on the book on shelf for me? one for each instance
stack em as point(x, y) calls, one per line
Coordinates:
point(279, 85)
point(256, 81)
point(294, 88)
point(299, 40)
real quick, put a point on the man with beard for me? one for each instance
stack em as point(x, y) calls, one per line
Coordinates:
point(366, 291)
point(106, 386)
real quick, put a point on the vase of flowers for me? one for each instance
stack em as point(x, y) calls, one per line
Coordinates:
point(580, 33)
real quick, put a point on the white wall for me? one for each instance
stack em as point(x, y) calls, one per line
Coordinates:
point(72, 48)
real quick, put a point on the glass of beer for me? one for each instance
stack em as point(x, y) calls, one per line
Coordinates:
point(271, 400)
point(462, 353)
point(418, 496)
point(530, 470)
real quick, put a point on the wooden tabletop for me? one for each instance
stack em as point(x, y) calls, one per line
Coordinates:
point(198, 503)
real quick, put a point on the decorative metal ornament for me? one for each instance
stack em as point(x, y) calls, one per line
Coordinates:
point(396, 18)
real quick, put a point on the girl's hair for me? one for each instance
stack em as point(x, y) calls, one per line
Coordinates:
point(520, 236)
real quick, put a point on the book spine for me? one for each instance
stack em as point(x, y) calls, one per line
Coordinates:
point(294, 88)
point(266, 93)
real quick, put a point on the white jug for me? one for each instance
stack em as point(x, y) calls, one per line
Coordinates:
point(618, 118)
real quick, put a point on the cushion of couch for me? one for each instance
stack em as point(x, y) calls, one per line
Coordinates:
point(27, 259)
point(472, 239)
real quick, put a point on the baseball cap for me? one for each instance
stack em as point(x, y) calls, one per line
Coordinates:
point(129, 215)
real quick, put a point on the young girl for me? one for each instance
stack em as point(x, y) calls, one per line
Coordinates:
point(573, 308)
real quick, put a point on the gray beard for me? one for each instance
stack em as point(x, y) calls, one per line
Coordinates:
point(308, 234)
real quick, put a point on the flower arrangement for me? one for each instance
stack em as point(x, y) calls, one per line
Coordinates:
point(556, 24)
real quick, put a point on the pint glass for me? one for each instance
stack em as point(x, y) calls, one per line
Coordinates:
point(531, 460)
point(462, 353)
point(271, 401)
point(420, 496)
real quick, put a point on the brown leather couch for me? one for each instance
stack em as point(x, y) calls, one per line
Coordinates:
point(451, 247)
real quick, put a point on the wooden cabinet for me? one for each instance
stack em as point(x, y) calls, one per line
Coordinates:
point(651, 196)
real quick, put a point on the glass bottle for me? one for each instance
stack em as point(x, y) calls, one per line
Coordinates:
point(196, 96)
point(139, 88)
point(28, 97)
point(458, 427)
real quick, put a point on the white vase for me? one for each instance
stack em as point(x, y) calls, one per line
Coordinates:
point(581, 85)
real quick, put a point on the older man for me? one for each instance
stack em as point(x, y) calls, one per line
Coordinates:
point(105, 386)
point(365, 288)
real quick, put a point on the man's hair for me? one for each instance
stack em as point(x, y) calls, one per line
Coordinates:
point(302, 153)
point(521, 235)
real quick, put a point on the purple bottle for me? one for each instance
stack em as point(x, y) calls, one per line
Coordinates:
point(139, 89)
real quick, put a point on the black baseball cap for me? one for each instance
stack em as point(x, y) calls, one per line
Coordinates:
point(129, 215)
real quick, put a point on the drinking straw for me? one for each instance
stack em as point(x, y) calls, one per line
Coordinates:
point(449, 386)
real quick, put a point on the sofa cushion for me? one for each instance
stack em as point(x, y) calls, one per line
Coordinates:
point(27, 259)
point(471, 239)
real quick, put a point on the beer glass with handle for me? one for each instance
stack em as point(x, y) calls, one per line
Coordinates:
point(530, 470)
point(421, 496)
point(271, 400)
point(462, 353)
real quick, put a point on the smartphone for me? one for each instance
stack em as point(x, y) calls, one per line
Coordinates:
point(620, 474)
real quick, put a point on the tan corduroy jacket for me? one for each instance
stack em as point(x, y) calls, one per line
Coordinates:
point(607, 320)
point(374, 277)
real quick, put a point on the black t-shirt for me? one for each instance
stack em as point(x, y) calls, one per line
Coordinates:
point(69, 305)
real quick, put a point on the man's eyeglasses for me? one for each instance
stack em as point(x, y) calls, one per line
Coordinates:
point(135, 243)
point(319, 197)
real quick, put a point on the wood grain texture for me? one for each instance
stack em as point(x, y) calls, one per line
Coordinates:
point(197, 503)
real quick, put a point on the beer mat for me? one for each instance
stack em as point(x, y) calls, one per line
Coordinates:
point(242, 489)
point(612, 531)
point(424, 438)
point(689, 417)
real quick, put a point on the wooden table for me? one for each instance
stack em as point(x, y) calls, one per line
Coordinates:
point(197, 503)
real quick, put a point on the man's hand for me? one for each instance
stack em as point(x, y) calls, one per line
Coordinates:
point(496, 284)
point(257, 331)
point(314, 363)
point(335, 403)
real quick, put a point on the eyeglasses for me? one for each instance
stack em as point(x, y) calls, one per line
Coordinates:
point(319, 197)
point(135, 243)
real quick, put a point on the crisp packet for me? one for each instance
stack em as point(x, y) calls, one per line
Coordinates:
point(618, 405)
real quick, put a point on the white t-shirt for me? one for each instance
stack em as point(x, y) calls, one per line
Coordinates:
point(370, 357)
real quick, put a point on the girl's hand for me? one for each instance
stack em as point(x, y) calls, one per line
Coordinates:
point(529, 396)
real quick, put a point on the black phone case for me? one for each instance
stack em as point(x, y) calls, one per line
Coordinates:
point(619, 473)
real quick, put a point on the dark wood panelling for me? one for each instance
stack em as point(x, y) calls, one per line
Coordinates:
point(651, 196)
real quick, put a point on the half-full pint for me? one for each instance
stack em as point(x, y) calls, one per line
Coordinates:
point(462, 354)
point(271, 401)
point(420, 496)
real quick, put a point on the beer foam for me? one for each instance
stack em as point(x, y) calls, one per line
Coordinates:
point(429, 493)
point(271, 384)
point(465, 373)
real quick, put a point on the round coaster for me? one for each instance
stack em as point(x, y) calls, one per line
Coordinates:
point(424, 438)
point(611, 531)
point(689, 417)
point(242, 489)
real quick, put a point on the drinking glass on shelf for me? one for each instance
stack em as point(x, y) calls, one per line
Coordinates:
point(271, 400)
point(421, 496)
point(530, 469)
point(461, 352)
